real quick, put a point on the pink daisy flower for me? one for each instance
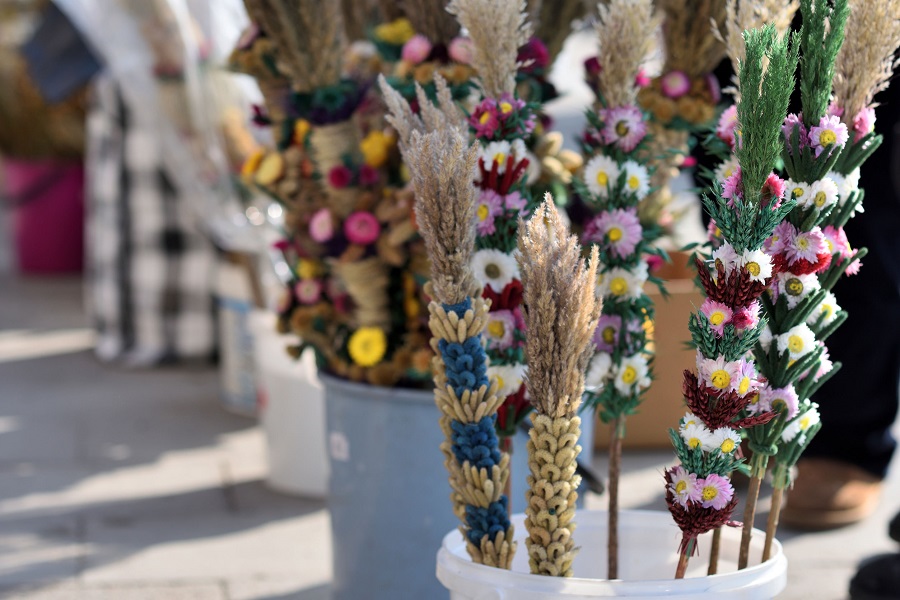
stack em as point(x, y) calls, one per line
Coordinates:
point(623, 126)
point(499, 330)
point(747, 380)
point(684, 486)
point(834, 110)
point(675, 84)
point(620, 230)
point(362, 228)
point(485, 119)
point(606, 336)
point(416, 49)
point(727, 125)
point(713, 233)
point(780, 399)
point(759, 402)
point(863, 123)
point(836, 240)
point(830, 133)
point(732, 187)
point(781, 239)
point(806, 245)
point(718, 314)
point(791, 122)
point(746, 317)
point(489, 206)
point(773, 191)
point(717, 373)
point(715, 492)
point(308, 291)
point(853, 268)
point(515, 201)
point(321, 226)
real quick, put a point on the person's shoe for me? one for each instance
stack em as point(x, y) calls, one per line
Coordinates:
point(878, 578)
point(828, 494)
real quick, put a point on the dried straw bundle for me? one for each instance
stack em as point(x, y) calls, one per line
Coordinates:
point(626, 30)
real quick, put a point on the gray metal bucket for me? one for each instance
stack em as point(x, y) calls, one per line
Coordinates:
point(388, 496)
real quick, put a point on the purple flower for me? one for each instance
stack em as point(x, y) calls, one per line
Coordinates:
point(715, 491)
point(534, 54)
point(619, 230)
point(684, 486)
point(675, 84)
point(732, 187)
point(499, 330)
point(830, 133)
point(368, 175)
point(791, 122)
point(780, 399)
point(781, 239)
point(484, 119)
point(340, 176)
point(623, 126)
point(489, 206)
point(606, 336)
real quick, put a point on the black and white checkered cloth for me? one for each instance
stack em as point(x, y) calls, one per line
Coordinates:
point(149, 268)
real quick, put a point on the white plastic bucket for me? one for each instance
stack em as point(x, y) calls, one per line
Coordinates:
point(236, 370)
point(292, 412)
point(648, 546)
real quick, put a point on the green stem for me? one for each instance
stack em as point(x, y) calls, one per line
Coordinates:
point(615, 466)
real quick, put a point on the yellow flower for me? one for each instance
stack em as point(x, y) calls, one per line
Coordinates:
point(252, 163)
point(367, 346)
point(375, 148)
point(396, 32)
point(301, 130)
point(308, 269)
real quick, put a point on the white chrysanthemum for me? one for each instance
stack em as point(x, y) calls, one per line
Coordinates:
point(725, 439)
point(496, 152)
point(798, 341)
point(849, 185)
point(598, 371)
point(619, 284)
point(757, 263)
point(798, 190)
point(822, 194)
point(637, 179)
point(600, 172)
point(698, 436)
point(765, 337)
point(727, 168)
point(800, 426)
point(687, 420)
point(797, 287)
point(494, 268)
point(632, 374)
point(509, 378)
point(828, 308)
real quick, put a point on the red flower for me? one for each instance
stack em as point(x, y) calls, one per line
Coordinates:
point(801, 266)
point(368, 175)
point(508, 299)
point(340, 176)
point(536, 52)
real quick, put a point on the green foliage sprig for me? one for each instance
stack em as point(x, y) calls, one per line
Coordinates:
point(821, 37)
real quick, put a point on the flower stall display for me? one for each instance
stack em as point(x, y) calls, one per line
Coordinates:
point(561, 316)
point(616, 180)
point(725, 329)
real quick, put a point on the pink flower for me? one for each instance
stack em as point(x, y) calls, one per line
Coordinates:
point(489, 206)
point(361, 227)
point(806, 245)
point(308, 291)
point(733, 187)
point(718, 374)
point(499, 329)
point(825, 364)
point(623, 126)
point(746, 317)
point(515, 201)
point(837, 241)
point(773, 189)
point(460, 50)
point(781, 239)
point(713, 233)
point(606, 336)
point(641, 79)
point(368, 175)
point(534, 54)
point(485, 119)
point(619, 230)
point(321, 226)
point(715, 492)
point(416, 49)
point(719, 315)
point(340, 176)
point(715, 90)
point(747, 379)
point(780, 399)
point(791, 122)
point(834, 110)
point(830, 133)
point(759, 402)
point(675, 84)
point(684, 486)
point(853, 268)
point(863, 123)
point(727, 125)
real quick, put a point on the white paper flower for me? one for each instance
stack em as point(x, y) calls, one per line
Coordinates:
point(600, 172)
point(847, 186)
point(828, 309)
point(494, 268)
point(598, 371)
point(796, 287)
point(822, 194)
point(800, 426)
point(725, 439)
point(798, 190)
point(688, 419)
point(631, 375)
point(757, 263)
point(509, 377)
point(496, 152)
point(637, 180)
point(727, 169)
point(765, 337)
point(798, 341)
point(619, 284)
point(698, 436)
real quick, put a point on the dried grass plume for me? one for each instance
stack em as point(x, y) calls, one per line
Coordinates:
point(626, 30)
point(429, 18)
point(562, 311)
point(498, 28)
point(868, 56)
point(441, 164)
point(690, 44)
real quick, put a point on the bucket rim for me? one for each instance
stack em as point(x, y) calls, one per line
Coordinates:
point(369, 392)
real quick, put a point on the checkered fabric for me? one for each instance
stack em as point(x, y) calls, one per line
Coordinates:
point(149, 268)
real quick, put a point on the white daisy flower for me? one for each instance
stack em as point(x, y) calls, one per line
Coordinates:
point(494, 268)
point(632, 374)
point(757, 263)
point(850, 185)
point(497, 152)
point(725, 439)
point(698, 436)
point(637, 179)
point(765, 338)
point(841, 182)
point(619, 284)
point(509, 378)
point(687, 420)
point(798, 341)
point(796, 287)
point(822, 193)
point(598, 371)
point(801, 425)
point(828, 308)
point(600, 172)
point(727, 169)
point(798, 190)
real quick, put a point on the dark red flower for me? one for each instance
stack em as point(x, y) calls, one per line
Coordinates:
point(536, 52)
point(509, 298)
